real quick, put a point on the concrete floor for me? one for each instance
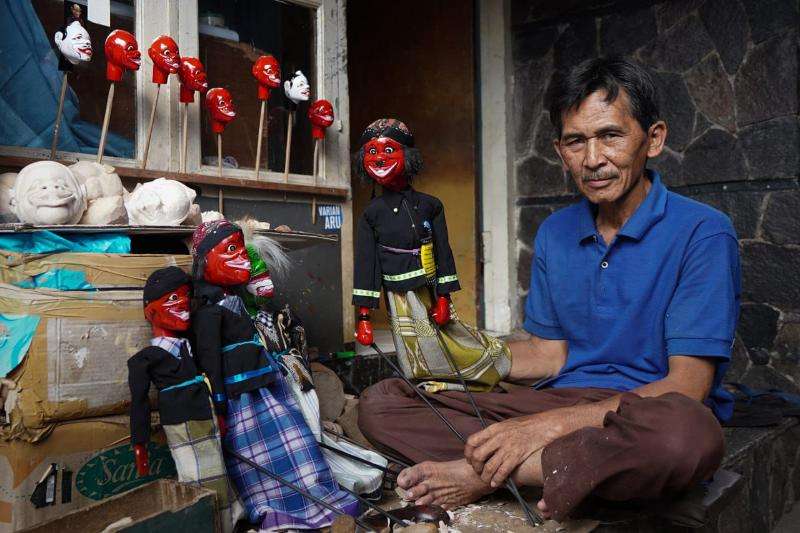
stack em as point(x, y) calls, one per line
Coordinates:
point(790, 523)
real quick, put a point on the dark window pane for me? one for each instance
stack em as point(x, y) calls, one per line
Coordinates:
point(232, 36)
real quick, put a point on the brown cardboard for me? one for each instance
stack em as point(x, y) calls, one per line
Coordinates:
point(101, 271)
point(76, 366)
point(95, 451)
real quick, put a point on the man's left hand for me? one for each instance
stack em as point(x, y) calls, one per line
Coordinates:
point(495, 452)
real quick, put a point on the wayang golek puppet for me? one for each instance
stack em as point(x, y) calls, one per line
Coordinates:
point(192, 75)
point(184, 401)
point(267, 73)
point(221, 112)
point(403, 248)
point(166, 60)
point(297, 90)
point(122, 53)
point(320, 114)
point(252, 395)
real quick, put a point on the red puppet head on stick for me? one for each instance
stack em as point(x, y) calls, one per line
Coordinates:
point(220, 108)
point(268, 73)
point(320, 113)
point(193, 78)
point(122, 53)
point(219, 254)
point(166, 301)
point(166, 58)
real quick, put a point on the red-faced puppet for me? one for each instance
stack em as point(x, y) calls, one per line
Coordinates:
point(403, 236)
point(220, 108)
point(268, 73)
point(122, 53)
point(166, 58)
point(320, 113)
point(220, 256)
point(192, 75)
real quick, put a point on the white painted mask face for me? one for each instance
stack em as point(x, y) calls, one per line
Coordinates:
point(48, 193)
point(76, 45)
point(297, 89)
point(161, 202)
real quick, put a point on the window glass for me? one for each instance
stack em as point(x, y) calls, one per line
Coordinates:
point(30, 81)
point(232, 36)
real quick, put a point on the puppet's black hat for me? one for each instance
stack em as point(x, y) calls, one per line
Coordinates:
point(387, 127)
point(163, 281)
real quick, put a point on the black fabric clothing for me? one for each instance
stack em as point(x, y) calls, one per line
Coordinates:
point(400, 220)
point(163, 281)
point(156, 365)
point(224, 347)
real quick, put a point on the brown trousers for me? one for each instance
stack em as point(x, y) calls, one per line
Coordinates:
point(649, 448)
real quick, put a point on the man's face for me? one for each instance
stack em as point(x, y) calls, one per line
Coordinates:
point(604, 148)
point(384, 161)
point(171, 311)
point(164, 53)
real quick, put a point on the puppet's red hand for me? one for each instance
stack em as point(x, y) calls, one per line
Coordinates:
point(223, 426)
point(364, 328)
point(142, 460)
point(440, 312)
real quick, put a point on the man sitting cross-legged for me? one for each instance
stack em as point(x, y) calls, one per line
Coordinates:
point(632, 308)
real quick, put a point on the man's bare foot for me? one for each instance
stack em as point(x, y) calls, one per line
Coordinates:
point(448, 484)
point(543, 510)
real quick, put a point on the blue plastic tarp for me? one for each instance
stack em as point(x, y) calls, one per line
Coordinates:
point(16, 334)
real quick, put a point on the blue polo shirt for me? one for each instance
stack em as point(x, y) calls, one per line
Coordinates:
point(668, 284)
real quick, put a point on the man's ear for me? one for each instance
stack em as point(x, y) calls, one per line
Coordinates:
point(557, 148)
point(656, 138)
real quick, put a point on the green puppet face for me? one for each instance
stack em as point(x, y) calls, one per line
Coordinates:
point(260, 287)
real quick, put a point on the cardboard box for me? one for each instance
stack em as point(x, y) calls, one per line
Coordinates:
point(163, 505)
point(78, 464)
point(76, 366)
point(101, 271)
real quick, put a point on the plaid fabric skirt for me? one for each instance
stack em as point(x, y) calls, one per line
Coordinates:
point(267, 427)
point(423, 347)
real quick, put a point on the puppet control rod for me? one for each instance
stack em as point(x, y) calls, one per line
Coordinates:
point(510, 485)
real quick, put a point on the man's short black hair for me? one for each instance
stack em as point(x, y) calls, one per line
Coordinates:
point(571, 87)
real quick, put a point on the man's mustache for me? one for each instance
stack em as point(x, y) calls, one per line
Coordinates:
point(598, 176)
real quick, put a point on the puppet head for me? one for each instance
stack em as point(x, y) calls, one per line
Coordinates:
point(192, 75)
point(160, 202)
point(220, 108)
point(297, 88)
point(268, 73)
point(387, 154)
point(268, 260)
point(166, 59)
point(47, 193)
point(320, 113)
point(219, 254)
point(122, 53)
point(166, 299)
point(74, 43)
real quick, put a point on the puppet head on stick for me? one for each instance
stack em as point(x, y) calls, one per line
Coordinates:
point(220, 108)
point(166, 58)
point(122, 53)
point(387, 155)
point(268, 73)
point(192, 75)
point(320, 113)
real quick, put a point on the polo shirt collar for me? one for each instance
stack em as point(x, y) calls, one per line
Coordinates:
point(646, 215)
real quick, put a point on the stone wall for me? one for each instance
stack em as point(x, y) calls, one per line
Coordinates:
point(727, 73)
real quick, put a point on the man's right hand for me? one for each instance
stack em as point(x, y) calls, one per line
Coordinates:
point(142, 460)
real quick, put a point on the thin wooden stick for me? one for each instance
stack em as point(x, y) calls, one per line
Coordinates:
point(150, 127)
point(288, 148)
point(220, 197)
point(106, 119)
point(316, 170)
point(185, 139)
point(57, 124)
point(260, 136)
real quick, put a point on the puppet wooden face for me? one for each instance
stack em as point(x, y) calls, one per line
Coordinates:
point(171, 311)
point(192, 75)
point(220, 107)
point(321, 116)
point(260, 284)
point(384, 161)
point(165, 56)
point(268, 73)
point(122, 53)
point(74, 43)
point(227, 263)
point(47, 193)
point(297, 89)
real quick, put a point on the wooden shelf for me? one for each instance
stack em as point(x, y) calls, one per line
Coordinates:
point(199, 179)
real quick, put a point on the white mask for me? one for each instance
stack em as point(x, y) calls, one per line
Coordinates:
point(76, 45)
point(160, 202)
point(297, 89)
point(48, 193)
